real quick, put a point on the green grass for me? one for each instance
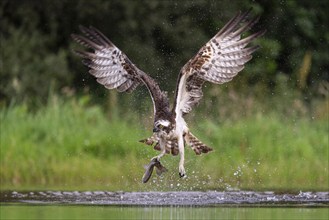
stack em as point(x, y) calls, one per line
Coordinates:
point(70, 145)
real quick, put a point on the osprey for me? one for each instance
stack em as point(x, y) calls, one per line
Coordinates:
point(218, 61)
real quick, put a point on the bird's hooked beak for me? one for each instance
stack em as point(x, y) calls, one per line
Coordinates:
point(156, 130)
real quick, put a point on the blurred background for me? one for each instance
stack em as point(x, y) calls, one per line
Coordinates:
point(61, 130)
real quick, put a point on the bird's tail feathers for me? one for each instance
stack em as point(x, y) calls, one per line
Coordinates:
point(149, 141)
point(171, 146)
point(196, 144)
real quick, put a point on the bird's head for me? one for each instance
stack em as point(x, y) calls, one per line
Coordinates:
point(162, 126)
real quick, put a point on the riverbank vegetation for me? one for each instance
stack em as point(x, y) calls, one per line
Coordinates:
point(69, 144)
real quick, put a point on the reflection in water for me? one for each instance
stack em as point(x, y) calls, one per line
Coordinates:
point(174, 212)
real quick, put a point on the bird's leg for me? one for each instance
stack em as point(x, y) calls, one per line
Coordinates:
point(181, 154)
point(159, 167)
point(163, 150)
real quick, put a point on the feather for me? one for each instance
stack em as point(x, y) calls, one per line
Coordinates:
point(196, 144)
point(218, 61)
point(113, 69)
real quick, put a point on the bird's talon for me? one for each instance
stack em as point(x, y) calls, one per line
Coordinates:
point(155, 159)
point(182, 175)
point(182, 172)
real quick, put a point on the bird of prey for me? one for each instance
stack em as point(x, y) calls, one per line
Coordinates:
point(218, 62)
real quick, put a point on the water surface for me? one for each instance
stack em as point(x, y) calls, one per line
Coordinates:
point(181, 198)
point(163, 205)
point(172, 212)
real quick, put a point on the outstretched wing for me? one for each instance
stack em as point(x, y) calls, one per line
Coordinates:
point(218, 61)
point(112, 68)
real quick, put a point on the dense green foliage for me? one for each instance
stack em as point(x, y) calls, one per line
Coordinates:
point(36, 43)
point(70, 145)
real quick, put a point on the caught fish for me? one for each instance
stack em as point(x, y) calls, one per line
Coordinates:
point(160, 169)
point(150, 167)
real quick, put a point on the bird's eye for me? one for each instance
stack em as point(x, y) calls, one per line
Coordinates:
point(161, 126)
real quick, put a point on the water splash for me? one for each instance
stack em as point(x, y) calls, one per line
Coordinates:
point(190, 198)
